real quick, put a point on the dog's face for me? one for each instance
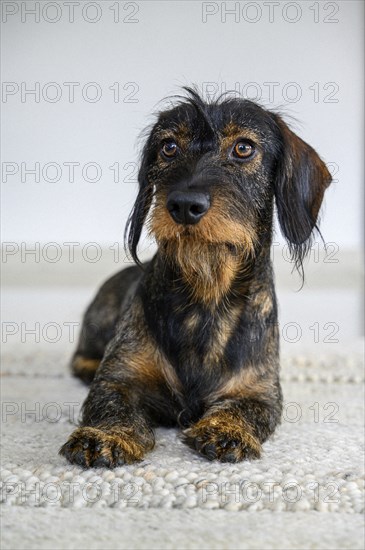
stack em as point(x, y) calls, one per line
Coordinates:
point(210, 173)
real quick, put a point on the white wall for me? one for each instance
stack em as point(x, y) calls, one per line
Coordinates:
point(167, 46)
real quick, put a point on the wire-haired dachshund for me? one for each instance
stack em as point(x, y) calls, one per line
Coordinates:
point(191, 337)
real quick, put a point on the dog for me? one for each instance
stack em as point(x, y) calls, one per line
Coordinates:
point(190, 338)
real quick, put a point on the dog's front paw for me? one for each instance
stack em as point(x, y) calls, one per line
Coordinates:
point(217, 439)
point(95, 448)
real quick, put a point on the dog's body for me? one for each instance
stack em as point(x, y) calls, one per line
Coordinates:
point(191, 338)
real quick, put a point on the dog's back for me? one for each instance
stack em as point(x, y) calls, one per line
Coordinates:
point(100, 321)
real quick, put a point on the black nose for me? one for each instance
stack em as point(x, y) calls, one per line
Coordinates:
point(187, 207)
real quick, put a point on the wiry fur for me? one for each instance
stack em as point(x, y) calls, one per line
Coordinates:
point(191, 337)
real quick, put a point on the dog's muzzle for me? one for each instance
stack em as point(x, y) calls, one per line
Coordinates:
point(187, 207)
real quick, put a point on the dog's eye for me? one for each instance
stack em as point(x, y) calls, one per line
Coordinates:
point(169, 149)
point(243, 150)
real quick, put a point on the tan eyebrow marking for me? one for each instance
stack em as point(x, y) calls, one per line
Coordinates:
point(232, 131)
point(180, 133)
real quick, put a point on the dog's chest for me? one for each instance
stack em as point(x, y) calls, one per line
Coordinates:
point(196, 342)
point(201, 344)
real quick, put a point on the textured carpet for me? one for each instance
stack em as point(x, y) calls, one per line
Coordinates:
point(311, 474)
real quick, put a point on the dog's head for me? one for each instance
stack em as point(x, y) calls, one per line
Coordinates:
point(210, 173)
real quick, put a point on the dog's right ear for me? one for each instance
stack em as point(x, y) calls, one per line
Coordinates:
point(300, 182)
point(142, 203)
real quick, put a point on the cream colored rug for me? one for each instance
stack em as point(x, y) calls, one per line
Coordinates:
point(306, 491)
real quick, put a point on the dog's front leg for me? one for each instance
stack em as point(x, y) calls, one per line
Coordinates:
point(233, 429)
point(114, 429)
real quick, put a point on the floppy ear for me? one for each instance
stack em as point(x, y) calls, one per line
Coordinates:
point(301, 180)
point(142, 204)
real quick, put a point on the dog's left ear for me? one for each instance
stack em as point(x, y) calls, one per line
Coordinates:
point(300, 182)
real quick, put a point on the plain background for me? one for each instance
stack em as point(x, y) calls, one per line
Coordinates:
point(302, 57)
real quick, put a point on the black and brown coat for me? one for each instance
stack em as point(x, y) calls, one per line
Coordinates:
point(191, 338)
